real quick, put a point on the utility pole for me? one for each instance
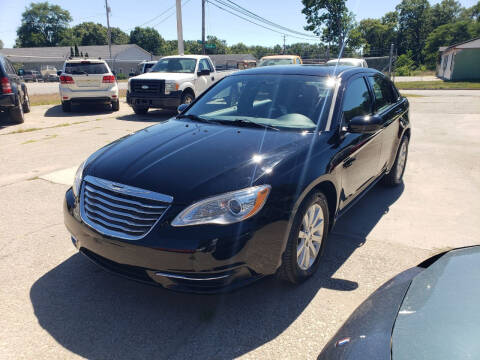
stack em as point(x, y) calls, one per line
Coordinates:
point(284, 37)
point(390, 62)
point(203, 27)
point(179, 27)
point(108, 28)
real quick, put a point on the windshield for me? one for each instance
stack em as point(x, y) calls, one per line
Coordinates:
point(175, 65)
point(269, 62)
point(86, 68)
point(281, 101)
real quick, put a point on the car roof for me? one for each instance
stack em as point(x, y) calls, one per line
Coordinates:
point(312, 70)
point(280, 57)
point(82, 60)
point(186, 56)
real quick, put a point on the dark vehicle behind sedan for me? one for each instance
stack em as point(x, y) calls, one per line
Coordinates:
point(427, 312)
point(245, 182)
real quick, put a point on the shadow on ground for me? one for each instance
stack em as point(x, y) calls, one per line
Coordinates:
point(152, 115)
point(98, 315)
point(79, 109)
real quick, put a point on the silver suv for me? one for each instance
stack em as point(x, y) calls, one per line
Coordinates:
point(87, 81)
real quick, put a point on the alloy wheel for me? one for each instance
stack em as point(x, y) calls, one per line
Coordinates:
point(310, 237)
point(402, 159)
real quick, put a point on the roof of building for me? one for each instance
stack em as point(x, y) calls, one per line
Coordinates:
point(470, 44)
point(60, 53)
point(280, 57)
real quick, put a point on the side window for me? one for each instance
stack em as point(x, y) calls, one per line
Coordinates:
point(297, 60)
point(210, 65)
point(356, 100)
point(383, 91)
point(203, 65)
point(9, 68)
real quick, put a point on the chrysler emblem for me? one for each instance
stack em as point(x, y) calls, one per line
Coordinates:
point(144, 87)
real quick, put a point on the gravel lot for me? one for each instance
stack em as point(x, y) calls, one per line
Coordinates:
point(56, 304)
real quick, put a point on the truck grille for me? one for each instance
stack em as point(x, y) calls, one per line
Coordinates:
point(147, 87)
point(119, 210)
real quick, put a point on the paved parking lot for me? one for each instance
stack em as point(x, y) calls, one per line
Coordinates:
point(56, 304)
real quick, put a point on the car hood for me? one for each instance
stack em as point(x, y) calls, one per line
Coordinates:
point(439, 317)
point(191, 161)
point(164, 76)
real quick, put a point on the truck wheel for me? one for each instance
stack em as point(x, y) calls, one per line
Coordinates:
point(66, 106)
point(26, 103)
point(187, 98)
point(140, 110)
point(115, 105)
point(395, 176)
point(16, 114)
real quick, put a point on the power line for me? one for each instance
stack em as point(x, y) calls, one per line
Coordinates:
point(169, 16)
point(252, 22)
point(235, 7)
point(154, 18)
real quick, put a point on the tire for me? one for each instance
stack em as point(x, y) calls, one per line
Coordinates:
point(26, 103)
point(395, 176)
point(140, 110)
point(187, 98)
point(296, 269)
point(16, 114)
point(115, 105)
point(66, 106)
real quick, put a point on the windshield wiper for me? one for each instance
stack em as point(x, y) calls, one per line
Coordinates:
point(248, 123)
point(194, 118)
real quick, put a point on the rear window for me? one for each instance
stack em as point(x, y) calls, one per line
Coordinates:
point(85, 68)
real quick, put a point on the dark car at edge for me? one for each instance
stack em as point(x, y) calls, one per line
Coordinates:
point(246, 181)
point(14, 99)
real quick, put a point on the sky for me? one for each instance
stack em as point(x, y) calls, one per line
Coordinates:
point(128, 14)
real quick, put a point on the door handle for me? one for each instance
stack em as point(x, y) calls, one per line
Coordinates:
point(213, 78)
point(348, 162)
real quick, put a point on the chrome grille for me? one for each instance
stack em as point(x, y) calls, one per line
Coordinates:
point(119, 210)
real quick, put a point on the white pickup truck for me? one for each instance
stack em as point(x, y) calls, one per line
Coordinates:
point(174, 80)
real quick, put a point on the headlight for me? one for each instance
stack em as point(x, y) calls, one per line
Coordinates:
point(78, 179)
point(170, 85)
point(225, 209)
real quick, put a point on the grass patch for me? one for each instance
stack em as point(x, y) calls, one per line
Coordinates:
point(20, 131)
point(413, 95)
point(437, 85)
point(48, 137)
point(45, 99)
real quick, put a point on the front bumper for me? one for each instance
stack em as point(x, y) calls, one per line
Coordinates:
point(170, 101)
point(202, 259)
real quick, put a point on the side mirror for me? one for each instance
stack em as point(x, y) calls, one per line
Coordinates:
point(365, 124)
point(203, 73)
point(59, 72)
point(21, 72)
point(114, 73)
point(181, 108)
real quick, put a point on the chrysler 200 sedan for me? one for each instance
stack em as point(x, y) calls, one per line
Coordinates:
point(245, 182)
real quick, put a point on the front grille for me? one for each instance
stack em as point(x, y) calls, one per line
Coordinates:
point(147, 87)
point(119, 210)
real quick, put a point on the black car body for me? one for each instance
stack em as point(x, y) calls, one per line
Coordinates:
point(191, 158)
point(13, 92)
point(427, 312)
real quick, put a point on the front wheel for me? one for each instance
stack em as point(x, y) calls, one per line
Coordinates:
point(140, 110)
point(395, 176)
point(26, 103)
point(306, 241)
point(187, 98)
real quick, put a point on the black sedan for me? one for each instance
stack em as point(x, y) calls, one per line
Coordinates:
point(246, 181)
point(427, 312)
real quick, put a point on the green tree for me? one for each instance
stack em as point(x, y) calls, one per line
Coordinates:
point(119, 37)
point(239, 48)
point(377, 36)
point(72, 54)
point(90, 33)
point(329, 19)
point(447, 35)
point(413, 27)
point(43, 24)
point(1, 44)
point(149, 39)
point(77, 53)
point(447, 11)
point(472, 13)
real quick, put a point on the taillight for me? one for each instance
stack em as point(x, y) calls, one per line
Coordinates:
point(108, 79)
point(6, 87)
point(66, 79)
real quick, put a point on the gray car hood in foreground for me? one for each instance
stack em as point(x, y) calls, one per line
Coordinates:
point(440, 315)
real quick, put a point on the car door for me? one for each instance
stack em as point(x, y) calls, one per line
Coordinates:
point(385, 106)
point(203, 81)
point(361, 152)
